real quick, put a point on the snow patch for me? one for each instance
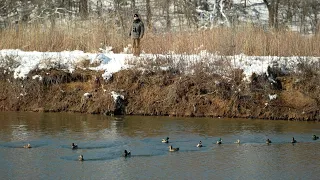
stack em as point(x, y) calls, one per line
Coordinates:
point(116, 95)
point(273, 97)
point(37, 77)
point(87, 95)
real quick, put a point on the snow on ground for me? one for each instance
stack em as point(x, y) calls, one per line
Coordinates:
point(68, 60)
point(111, 63)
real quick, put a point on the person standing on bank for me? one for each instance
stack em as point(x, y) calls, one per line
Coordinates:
point(136, 33)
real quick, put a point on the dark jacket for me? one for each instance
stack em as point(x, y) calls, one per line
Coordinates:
point(137, 29)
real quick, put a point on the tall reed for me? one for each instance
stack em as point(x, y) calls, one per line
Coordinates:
point(89, 36)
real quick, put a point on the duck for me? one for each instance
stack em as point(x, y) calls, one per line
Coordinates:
point(199, 144)
point(171, 149)
point(74, 146)
point(314, 137)
point(81, 158)
point(165, 140)
point(219, 141)
point(126, 153)
point(237, 142)
point(268, 141)
point(27, 146)
point(293, 140)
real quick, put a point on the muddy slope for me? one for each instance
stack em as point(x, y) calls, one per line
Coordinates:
point(165, 93)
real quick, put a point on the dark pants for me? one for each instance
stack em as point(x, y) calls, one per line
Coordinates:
point(136, 46)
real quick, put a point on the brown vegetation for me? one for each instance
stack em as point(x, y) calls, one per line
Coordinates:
point(90, 36)
point(168, 93)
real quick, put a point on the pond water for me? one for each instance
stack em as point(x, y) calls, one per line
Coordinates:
point(101, 140)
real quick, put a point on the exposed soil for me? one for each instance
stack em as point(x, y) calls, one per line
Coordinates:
point(164, 93)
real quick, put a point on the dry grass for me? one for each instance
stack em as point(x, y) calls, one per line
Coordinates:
point(92, 35)
point(86, 36)
point(228, 41)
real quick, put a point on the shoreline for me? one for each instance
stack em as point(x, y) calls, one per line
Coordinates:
point(160, 93)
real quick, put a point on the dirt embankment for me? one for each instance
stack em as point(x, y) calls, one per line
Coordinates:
point(166, 93)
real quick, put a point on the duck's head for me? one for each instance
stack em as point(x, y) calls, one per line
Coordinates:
point(126, 153)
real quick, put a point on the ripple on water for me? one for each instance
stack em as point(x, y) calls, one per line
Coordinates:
point(103, 156)
point(89, 157)
point(96, 145)
point(20, 144)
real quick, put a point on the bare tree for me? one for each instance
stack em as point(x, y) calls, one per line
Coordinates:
point(244, 2)
point(273, 7)
point(133, 4)
point(119, 13)
point(303, 14)
point(315, 9)
point(83, 8)
point(219, 10)
point(148, 15)
point(167, 8)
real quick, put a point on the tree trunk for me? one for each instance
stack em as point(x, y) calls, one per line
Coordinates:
point(273, 6)
point(167, 9)
point(148, 7)
point(276, 18)
point(25, 13)
point(99, 8)
point(84, 8)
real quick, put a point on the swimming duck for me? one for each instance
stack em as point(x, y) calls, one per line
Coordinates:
point(237, 142)
point(268, 141)
point(165, 140)
point(27, 146)
point(199, 144)
point(219, 141)
point(74, 146)
point(126, 153)
point(81, 158)
point(171, 149)
point(314, 137)
point(293, 140)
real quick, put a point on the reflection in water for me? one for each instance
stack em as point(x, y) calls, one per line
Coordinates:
point(23, 126)
point(102, 140)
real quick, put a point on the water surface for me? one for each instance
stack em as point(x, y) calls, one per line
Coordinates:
point(102, 139)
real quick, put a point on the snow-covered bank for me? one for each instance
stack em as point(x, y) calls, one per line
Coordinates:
point(201, 85)
point(21, 62)
point(24, 62)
